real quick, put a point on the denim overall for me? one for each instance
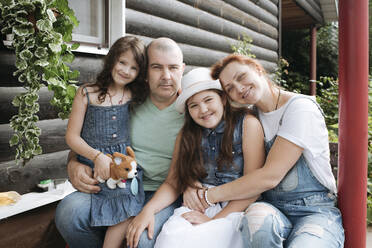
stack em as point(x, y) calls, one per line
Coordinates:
point(211, 144)
point(106, 128)
point(297, 199)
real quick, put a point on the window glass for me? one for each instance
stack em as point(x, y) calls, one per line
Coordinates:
point(91, 14)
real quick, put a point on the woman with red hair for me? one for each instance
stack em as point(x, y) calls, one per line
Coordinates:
point(298, 205)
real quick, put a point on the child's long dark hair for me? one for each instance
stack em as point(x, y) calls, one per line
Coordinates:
point(189, 165)
point(138, 88)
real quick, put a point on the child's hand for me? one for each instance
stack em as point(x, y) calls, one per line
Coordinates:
point(196, 217)
point(102, 167)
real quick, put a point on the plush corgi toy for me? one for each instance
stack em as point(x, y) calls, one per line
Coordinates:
point(122, 167)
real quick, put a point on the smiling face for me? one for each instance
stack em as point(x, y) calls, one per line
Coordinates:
point(125, 70)
point(165, 68)
point(206, 108)
point(242, 83)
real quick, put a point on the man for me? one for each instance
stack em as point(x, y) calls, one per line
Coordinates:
point(154, 127)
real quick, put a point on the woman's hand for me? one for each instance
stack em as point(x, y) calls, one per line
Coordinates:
point(192, 200)
point(196, 217)
point(102, 167)
point(145, 219)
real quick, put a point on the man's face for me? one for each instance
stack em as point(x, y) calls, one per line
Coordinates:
point(164, 75)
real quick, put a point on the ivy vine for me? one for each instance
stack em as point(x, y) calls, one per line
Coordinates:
point(40, 30)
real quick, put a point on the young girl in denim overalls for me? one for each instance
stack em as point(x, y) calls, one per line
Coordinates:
point(99, 125)
point(213, 147)
point(298, 206)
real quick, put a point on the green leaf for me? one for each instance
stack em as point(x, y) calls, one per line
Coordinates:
point(41, 62)
point(74, 74)
point(53, 81)
point(21, 20)
point(23, 30)
point(68, 58)
point(51, 16)
point(38, 150)
point(14, 140)
point(44, 25)
point(21, 64)
point(25, 54)
point(75, 46)
point(29, 101)
point(41, 52)
point(55, 47)
point(30, 43)
point(22, 78)
point(16, 101)
point(71, 90)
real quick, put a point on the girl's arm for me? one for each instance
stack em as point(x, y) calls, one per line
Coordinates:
point(281, 158)
point(75, 124)
point(163, 197)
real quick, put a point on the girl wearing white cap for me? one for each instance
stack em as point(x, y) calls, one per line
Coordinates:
point(217, 144)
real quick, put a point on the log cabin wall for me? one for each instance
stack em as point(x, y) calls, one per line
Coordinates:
point(205, 31)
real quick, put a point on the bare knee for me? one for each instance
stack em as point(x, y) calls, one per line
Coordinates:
point(261, 216)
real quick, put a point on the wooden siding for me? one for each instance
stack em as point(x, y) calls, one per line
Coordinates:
point(205, 31)
point(208, 28)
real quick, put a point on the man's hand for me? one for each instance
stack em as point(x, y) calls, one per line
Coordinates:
point(195, 217)
point(192, 200)
point(145, 219)
point(81, 177)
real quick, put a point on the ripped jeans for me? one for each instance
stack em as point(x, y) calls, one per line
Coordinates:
point(264, 225)
point(298, 212)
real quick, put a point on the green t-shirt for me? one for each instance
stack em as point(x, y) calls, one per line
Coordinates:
point(153, 133)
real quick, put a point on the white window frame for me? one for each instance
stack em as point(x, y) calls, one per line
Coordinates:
point(116, 15)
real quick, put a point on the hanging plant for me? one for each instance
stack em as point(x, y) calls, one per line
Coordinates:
point(38, 31)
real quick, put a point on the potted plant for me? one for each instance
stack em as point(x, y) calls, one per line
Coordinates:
point(42, 52)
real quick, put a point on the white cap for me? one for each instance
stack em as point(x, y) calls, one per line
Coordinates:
point(193, 82)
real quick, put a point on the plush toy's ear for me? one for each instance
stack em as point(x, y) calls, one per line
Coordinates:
point(130, 152)
point(118, 160)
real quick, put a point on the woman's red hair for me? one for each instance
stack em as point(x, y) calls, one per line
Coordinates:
point(218, 67)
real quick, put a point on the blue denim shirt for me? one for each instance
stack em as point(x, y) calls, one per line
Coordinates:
point(211, 146)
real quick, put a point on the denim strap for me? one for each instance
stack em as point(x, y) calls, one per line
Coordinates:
point(87, 94)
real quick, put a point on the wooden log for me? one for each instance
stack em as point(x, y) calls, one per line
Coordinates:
point(88, 65)
point(316, 6)
point(139, 23)
point(7, 65)
point(7, 110)
point(254, 10)
point(52, 138)
point(24, 179)
point(268, 6)
point(234, 14)
point(308, 8)
point(207, 18)
point(198, 56)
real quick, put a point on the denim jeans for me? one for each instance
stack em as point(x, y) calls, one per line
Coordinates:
point(73, 222)
point(269, 227)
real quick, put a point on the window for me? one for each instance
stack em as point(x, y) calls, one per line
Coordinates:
point(96, 32)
